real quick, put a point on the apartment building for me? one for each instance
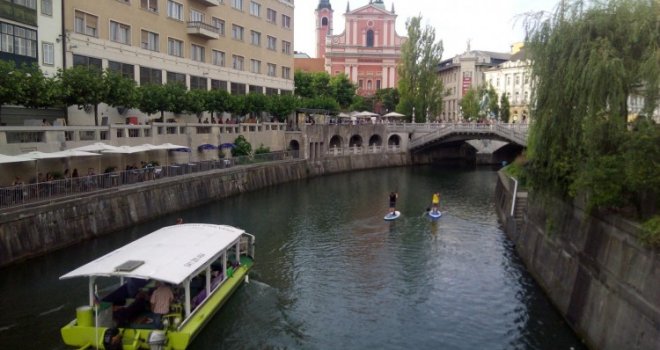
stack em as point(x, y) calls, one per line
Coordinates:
point(464, 72)
point(240, 46)
point(513, 79)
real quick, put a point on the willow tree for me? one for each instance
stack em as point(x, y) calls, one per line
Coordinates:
point(588, 61)
point(419, 86)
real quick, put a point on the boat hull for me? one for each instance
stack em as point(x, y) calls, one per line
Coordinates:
point(133, 339)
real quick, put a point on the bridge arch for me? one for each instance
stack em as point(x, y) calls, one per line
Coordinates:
point(335, 142)
point(375, 140)
point(355, 141)
point(294, 145)
point(394, 140)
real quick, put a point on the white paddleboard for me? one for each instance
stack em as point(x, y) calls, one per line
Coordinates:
point(435, 215)
point(392, 216)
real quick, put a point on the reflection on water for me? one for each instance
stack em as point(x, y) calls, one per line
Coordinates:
point(331, 273)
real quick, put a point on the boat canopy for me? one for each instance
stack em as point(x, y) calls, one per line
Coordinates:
point(170, 254)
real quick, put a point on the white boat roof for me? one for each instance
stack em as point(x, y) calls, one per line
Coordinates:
point(170, 254)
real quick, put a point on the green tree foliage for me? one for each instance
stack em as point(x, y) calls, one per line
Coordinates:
point(419, 85)
point(241, 147)
point(388, 98)
point(34, 89)
point(238, 105)
point(505, 108)
point(342, 89)
point(197, 101)
point(493, 106)
point(257, 103)
point(177, 96)
point(218, 101)
point(281, 106)
point(152, 98)
point(317, 89)
point(588, 59)
point(122, 91)
point(83, 86)
point(9, 80)
point(470, 105)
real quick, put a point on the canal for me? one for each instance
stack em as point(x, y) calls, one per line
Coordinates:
point(331, 273)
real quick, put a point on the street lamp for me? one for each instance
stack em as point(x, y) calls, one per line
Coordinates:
point(413, 115)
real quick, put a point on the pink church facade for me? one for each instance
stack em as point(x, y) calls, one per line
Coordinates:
point(369, 49)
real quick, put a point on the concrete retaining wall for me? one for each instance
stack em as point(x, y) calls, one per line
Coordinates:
point(41, 229)
point(593, 268)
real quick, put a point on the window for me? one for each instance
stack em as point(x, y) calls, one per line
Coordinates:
point(176, 78)
point(360, 84)
point(175, 47)
point(272, 43)
point(237, 32)
point(256, 89)
point(150, 5)
point(517, 79)
point(150, 76)
point(369, 86)
point(286, 47)
point(272, 70)
point(27, 3)
point(84, 23)
point(286, 22)
point(237, 62)
point(237, 4)
point(218, 58)
point(120, 33)
point(85, 61)
point(149, 41)
point(174, 10)
point(47, 7)
point(48, 54)
point(197, 53)
point(255, 9)
point(377, 84)
point(256, 66)
point(198, 83)
point(256, 38)
point(218, 85)
point(219, 24)
point(286, 72)
point(196, 16)
point(18, 40)
point(370, 38)
point(237, 89)
point(125, 70)
point(271, 16)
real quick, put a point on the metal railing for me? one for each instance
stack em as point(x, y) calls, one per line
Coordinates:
point(42, 192)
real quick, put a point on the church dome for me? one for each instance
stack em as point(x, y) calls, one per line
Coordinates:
point(378, 3)
point(324, 4)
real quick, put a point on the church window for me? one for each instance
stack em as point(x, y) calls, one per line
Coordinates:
point(370, 38)
point(324, 21)
point(369, 85)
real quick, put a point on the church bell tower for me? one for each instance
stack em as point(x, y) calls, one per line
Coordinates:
point(323, 26)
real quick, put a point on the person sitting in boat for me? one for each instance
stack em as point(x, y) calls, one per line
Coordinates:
point(435, 201)
point(161, 299)
point(393, 197)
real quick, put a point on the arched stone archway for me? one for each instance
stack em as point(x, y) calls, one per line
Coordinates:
point(375, 140)
point(324, 21)
point(394, 140)
point(356, 141)
point(294, 147)
point(335, 142)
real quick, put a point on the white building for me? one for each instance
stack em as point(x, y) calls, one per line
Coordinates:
point(513, 79)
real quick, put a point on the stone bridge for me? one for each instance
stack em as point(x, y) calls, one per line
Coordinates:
point(426, 136)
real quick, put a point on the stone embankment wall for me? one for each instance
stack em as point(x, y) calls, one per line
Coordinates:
point(29, 232)
point(594, 269)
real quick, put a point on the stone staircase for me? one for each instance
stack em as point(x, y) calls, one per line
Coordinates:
point(521, 208)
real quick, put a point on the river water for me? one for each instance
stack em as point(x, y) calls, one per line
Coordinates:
point(330, 273)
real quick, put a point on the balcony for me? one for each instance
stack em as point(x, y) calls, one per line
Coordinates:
point(203, 30)
point(18, 13)
point(209, 2)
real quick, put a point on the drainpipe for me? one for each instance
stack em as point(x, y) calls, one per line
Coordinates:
point(515, 192)
point(64, 43)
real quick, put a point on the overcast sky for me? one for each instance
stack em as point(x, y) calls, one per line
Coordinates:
point(489, 25)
